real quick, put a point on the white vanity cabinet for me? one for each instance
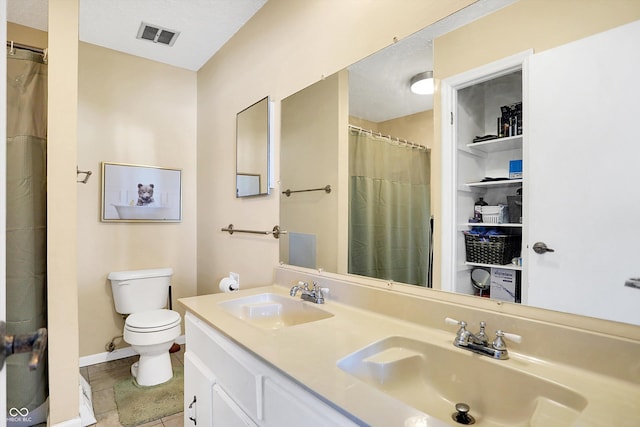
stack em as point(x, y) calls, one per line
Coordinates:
point(481, 169)
point(233, 387)
point(204, 398)
point(198, 389)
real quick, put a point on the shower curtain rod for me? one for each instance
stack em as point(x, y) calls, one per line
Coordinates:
point(391, 138)
point(13, 45)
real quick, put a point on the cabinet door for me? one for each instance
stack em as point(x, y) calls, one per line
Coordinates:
point(288, 405)
point(584, 191)
point(198, 386)
point(226, 412)
point(232, 367)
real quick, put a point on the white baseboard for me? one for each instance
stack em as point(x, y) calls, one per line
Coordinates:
point(120, 353)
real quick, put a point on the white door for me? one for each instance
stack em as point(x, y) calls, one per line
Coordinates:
point(583, 175)
point(3, 197)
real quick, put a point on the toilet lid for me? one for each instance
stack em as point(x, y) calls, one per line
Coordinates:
point(153, 320)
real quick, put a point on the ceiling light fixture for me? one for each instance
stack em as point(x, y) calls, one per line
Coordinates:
point(422, 84)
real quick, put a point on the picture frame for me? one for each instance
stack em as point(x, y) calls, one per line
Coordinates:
point(139, 193)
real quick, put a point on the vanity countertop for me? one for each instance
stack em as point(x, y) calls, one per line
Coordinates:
point(308, 354)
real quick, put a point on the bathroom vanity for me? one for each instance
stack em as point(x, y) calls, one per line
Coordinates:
point(376, 354)
point(234, 387)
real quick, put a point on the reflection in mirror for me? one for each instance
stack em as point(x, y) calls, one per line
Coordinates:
point(253, 145)
point(383, 189)
point(389, 207)
point(456, 53)
point(378, 221)
point(310, 146)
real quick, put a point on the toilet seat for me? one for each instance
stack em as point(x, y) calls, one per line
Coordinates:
point(152, 321)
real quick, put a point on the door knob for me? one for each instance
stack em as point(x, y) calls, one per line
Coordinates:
point(12, 344)
point(540, 248)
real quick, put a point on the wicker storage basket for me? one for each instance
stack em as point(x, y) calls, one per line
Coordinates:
point(492, 249)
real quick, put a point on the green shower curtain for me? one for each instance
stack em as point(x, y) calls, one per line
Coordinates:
point(389, 209)
point(26, 221)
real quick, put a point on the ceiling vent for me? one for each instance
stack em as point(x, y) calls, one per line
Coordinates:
point(157, 34)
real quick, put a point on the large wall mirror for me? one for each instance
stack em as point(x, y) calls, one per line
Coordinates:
point(317, 148)
point(253, 149)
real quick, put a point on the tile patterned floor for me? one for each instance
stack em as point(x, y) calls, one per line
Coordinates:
point(102, 378)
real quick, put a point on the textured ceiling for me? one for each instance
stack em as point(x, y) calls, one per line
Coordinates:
point(204, 25)
point(379, 84)
point(30, 13)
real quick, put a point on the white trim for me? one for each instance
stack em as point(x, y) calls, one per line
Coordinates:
point(489, 71)
point(526, 154)
point(73, 422)
point(448, 194)
point(121, 353)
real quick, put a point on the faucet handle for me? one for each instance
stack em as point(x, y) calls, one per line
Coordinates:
point(499, 344)
point(450, 321)
point(317, 291)
point(462, 334)
point(481, 335)
point(511, 337)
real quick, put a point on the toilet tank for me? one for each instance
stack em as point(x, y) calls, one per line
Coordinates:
point(140, 290)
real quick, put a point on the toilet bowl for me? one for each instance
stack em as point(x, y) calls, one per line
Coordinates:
point(149, 328)
point(151, 334)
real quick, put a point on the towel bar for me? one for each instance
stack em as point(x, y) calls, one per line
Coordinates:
point(276, 232)
point(325, 188)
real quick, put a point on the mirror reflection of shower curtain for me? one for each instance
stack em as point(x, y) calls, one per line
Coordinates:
point(389, 209)
point(26, 223)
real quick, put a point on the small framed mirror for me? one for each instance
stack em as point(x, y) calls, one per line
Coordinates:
point(253, 149)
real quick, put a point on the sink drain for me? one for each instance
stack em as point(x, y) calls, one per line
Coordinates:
point(461, 416)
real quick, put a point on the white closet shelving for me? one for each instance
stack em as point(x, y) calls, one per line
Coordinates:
point(481, 169)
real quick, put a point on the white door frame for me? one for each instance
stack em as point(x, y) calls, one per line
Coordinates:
point(450, 229)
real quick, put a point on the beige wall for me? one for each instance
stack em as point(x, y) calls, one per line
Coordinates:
point(416, 128)
point(310, 142)
point(537, 24)
point(62, 263)
point(284, 48)
point(26, 35)
point(136, 111)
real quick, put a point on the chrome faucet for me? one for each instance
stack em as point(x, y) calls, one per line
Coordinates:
point(34, 343)
point(479, 343)
point(298, 287)
point(308, 294)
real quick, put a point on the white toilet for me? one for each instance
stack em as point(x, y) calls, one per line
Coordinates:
point(150, 329)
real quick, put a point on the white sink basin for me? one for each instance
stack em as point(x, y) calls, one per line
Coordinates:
point(272, 311)
point(433, 379)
